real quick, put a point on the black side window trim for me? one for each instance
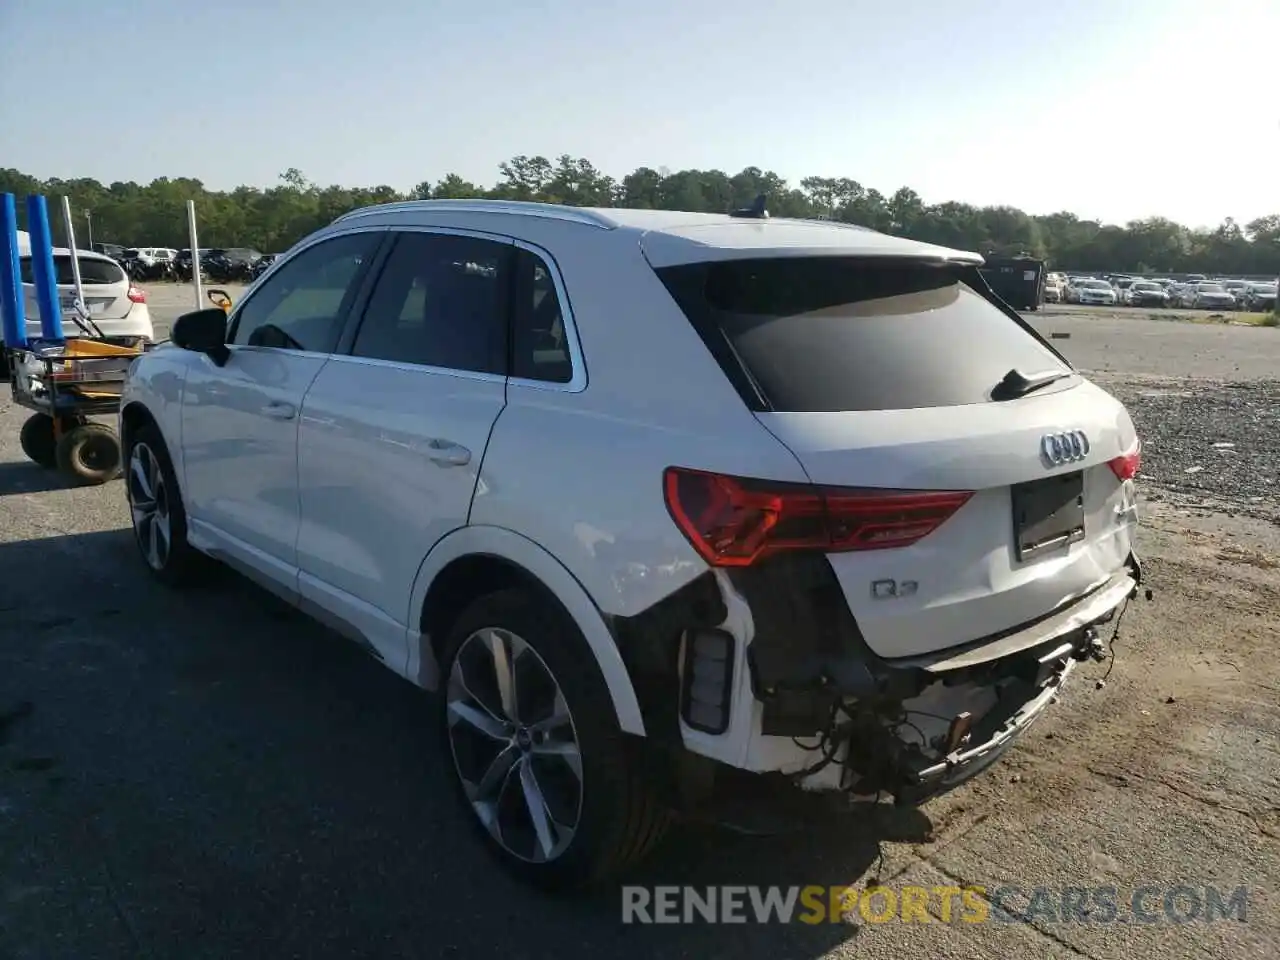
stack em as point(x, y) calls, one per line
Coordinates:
point(354, 295)
point(356, 316)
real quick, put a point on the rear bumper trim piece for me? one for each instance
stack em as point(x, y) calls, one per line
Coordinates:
point(1089, 609)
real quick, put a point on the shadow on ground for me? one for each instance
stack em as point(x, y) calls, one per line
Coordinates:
point(208, 773)
point(28, 477)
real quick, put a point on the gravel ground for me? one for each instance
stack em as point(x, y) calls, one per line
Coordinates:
point(1208, 438)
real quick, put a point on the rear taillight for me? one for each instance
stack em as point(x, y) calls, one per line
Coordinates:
point(137, 294)
point(734, 522)
point(1127, 465)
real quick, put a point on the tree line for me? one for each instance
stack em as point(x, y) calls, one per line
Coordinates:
point(272, 219)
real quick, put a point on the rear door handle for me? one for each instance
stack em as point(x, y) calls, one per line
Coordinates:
point(447, 453)
point(280, 411)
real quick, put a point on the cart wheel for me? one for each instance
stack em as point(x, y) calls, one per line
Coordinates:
point(38, 441)
point(90, 452)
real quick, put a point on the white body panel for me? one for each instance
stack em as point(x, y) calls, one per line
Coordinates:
point(970, 584)
point(240, 452)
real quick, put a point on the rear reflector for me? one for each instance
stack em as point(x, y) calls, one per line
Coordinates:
point(1127, 465)
point(734, 521)
point(137, 294)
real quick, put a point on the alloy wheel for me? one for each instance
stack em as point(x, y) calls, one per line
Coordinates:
point(514, 745)
point(149, 504)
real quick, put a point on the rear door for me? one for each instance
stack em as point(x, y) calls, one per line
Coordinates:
point(882, 379)
point(393, 431)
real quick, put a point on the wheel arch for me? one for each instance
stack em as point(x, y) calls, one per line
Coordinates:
point(479, 559)
point(133, 416)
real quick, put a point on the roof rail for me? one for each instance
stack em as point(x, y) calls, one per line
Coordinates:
point(551, 211)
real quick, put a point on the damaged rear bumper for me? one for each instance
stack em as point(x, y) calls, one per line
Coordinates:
point(764, 671)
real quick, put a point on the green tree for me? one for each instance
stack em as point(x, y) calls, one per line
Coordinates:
point(273, 218)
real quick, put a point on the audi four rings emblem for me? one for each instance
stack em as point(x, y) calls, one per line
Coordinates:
point(1066, 447)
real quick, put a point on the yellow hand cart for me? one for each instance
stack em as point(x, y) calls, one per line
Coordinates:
point(66, 384)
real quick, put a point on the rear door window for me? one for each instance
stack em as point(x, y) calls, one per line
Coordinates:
point(440, 301)
point(828, 334)
point(92, 271)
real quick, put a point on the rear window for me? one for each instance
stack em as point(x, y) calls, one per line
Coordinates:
point(833, 334)
point(92, 270)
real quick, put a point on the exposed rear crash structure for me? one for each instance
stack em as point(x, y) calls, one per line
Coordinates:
point(819, 709)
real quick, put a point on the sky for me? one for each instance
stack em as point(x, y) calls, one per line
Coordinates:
point(1111, 110)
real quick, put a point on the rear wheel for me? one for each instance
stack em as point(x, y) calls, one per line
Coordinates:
point(38, 441)
point(89, 453)
point(538, 756)
point(155, 505)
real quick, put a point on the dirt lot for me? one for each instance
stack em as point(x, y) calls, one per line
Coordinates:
point(207, 774)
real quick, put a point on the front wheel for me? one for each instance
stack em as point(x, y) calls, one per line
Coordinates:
point(539, 759)
point(156, 509)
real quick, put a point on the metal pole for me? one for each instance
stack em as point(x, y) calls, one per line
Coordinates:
point(195, 253)
point(80, 306)
point(88, 222)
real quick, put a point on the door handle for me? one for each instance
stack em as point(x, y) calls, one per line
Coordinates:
point(447, 453)
point(280, 410)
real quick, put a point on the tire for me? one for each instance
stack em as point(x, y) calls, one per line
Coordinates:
point(89, 453)
point(155, 508)
point(38, 441)
point(618, 818)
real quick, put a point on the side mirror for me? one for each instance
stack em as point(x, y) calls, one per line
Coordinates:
point(220, 298)
point(203, 331)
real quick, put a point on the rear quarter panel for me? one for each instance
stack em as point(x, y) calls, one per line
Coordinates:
point(581, 473)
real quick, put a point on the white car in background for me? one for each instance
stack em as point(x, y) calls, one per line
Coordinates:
point(673, 509)
point(1095, 292)
point(115, 305)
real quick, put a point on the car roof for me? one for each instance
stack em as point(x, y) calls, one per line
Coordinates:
point(83, 254)
point(670, 237)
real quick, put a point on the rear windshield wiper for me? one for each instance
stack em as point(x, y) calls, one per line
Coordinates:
point(1016, 384)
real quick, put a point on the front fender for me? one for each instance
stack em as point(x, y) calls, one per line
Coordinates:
point(507, 545)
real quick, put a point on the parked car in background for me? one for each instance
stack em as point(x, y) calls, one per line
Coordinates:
point(1179, 293)
point(863, 489)
point(1210, 296)
point(1095, 292)
point(1146, 293)
point(1071, 292)
point(1259, 297)
point(1052, 290)
point(1236, 288)
point(151, 255)
point(113, 250)
point(114, 304)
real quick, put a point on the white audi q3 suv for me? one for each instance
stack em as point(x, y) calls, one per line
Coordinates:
point(669, 508)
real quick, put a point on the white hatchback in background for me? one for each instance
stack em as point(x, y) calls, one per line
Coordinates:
point(681, 513)
point(116, 306)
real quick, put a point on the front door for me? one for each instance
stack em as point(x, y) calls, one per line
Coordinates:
point(240, 420)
